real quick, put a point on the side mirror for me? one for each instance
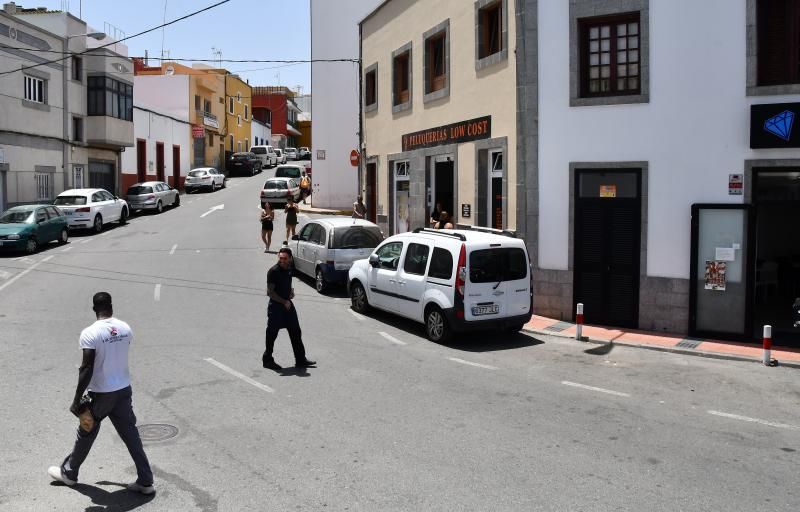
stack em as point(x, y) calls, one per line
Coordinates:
point(295, 237)
point(374, 261)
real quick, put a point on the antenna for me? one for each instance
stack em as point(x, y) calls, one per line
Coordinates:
point(217, 55)
point(163, 31)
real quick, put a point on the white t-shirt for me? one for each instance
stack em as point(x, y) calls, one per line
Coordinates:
point(110, 339)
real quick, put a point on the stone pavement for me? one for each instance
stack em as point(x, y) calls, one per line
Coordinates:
point(665, 342)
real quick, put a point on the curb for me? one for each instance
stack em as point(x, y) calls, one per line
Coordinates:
point(674, 350)
point(329, 212)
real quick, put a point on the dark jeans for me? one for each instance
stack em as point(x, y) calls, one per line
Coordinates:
point(118, 407)
point(278, 318)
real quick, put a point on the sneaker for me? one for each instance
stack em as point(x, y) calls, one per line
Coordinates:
point(144, 489)
point(59, 476)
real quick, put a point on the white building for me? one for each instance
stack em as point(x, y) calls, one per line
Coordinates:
point(335, 88)
point(261, 133)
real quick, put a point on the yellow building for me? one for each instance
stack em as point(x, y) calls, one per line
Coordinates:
point(238, 114)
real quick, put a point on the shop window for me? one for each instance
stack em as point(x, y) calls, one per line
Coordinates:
point(778, 45)
point(402, 78)
point(490, 30)
point(401, 197)
point(610, 55)
point(371, 86)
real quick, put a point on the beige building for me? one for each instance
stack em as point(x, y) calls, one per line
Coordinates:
point(439, 113)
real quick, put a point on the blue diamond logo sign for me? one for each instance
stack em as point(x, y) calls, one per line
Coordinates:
point(781, 125)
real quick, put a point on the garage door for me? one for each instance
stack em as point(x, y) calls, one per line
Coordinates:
point(101, 175)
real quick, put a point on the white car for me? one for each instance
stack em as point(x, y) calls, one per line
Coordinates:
point(266, 154)
point(206, 178)
point(449, 280)
point(291, 153)
point(91, 208)
point(281, 156)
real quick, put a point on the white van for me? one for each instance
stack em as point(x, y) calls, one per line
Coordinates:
point(266, 154)
point(450, 280)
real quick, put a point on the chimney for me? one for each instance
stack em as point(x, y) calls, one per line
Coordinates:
point(10, 8)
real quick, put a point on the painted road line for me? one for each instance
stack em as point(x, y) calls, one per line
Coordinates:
point(392, 339)
point(470, 363)
point(86, 241)
point(4, 275)
point(213, 209)
point(66, 249)
point(358, 316)
point(239, 375)
point(593, 388)
point(753, 420)
point(172, 251)
point(157, 293)
point(32, 267)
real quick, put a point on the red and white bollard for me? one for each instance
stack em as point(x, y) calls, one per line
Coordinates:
point(767, 345)
point(579, 322)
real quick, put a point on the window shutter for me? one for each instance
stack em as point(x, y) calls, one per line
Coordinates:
point(776, 24)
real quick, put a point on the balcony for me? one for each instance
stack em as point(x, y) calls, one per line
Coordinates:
point(208, 118)
point(109, 132)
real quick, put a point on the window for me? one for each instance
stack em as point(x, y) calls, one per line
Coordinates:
point(441, 264)
point(77, 69)
point(198, 104)
point(230, 105)
point(112, 98)
point(238, 120)
point(318, 235)
point(210, 139)
point(497, 265)
point(206, 106)
point(239, 147)
point(54, 212)
point(778, 46)
point(41, 215)
point(356, 237)
point(238, 97)
point(43, 186)
point(435, 57)
point(77, 129)
point(247, 144)
point(402, 78)
point(610, 55)
point(231, 139)
point(490, 29)
point(416, 259)
point(305, 234)
point(34, 89)
point(371, 87)
point(389, 255)
point(246, 111)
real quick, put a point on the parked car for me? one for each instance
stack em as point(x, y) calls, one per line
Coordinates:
point(281, 156)
point(244, 163)
point(296, 171)
point(277, 190)
point(326, 248)
point(266, 154)
point(91, 208)
point(291, 153)
point(27, 228)
point(303, 153)
point(204, 178)
point(152, 195)
point(449, 280)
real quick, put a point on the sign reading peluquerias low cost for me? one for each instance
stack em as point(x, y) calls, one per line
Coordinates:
point(463, 131)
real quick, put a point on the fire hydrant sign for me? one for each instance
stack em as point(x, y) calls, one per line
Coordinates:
point(735, 184)
point(354, 158)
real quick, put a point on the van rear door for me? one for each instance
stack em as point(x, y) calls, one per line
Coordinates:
point(498, 284)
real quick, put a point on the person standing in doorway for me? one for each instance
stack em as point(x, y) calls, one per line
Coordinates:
point(291, 211)
point(104, 372)
point(267, 216)
point(445, 221)
point(359, 208)
point(281, 313)
point(435, 214)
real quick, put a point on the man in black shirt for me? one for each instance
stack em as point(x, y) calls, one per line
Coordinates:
point(282, 314)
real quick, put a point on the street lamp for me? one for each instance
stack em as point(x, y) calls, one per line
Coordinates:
point(93, 35)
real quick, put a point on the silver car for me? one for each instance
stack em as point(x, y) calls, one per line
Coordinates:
point(291, 153)
point(325, 249)
point(277, 190)
point(206, 178)
point(152, 195)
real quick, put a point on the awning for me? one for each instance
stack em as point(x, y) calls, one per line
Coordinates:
point(293, 131)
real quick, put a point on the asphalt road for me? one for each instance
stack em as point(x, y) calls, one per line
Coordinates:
point(388, 420)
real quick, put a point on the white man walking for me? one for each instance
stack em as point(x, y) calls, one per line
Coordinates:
point(104, 372)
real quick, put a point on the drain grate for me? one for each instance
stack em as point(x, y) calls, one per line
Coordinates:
point(559, 326)
point(157, 432)
point(689, 343)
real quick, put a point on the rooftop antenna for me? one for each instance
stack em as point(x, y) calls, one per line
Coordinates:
point(278, 78)
point(163, 31)
point(217, 55)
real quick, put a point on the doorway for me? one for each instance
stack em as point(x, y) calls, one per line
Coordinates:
point(607, 248)
point(442, 188)
point(141, 160)
point(372, 191)
point(495, 202)
point(176, 166)
point(160, 161)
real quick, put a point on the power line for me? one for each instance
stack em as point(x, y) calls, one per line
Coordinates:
point(118, 41)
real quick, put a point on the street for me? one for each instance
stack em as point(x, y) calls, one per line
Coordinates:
point(387, 421)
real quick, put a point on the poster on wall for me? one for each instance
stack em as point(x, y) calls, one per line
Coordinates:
point(608, 191)
point(402, 210)
point(715, 275)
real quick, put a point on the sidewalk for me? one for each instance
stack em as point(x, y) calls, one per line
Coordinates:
point(665, 342)
point(307, 208)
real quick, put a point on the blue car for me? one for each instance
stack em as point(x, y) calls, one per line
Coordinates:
point(28, 227)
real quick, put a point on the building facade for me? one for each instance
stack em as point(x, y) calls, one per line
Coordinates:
point(238, 115)
point(275, 105)
point(439, 113)
point(261, 133)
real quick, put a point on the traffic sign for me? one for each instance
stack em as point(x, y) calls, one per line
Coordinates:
point(354, 158)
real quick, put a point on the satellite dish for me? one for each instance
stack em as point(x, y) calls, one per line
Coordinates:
point(170, 70)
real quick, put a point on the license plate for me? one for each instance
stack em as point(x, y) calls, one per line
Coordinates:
point(68, 213)
point(238, 163)
point(485, 310)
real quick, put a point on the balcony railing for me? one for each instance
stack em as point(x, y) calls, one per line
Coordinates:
point(208, 118)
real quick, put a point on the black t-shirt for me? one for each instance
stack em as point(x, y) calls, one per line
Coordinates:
point(282, 279)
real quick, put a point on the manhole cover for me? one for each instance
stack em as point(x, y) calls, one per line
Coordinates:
point(157, 432)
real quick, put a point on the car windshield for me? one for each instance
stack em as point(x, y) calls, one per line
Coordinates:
point(18, 216)
point(357, 237)
point(195, 174)
point(259, 151)
point(290, 150)
point(276, 185)
point(240, 156)
point(497, 265)
point(287, 172)
point(139, 190)
point(70, 200)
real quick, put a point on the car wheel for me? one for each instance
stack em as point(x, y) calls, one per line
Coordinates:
point(159, 207)
point(123, 217)
point(319, 281)
point(436, 328)
point(358, 298)
point(97, 226)
point(63, 237)
point(177, 202)
point(31, 246)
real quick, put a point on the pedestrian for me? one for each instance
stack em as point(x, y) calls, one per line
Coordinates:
point(281, 313)
point(359, 208)
point(267, 216)
point(104, 373)
point(445, 221)
point(435, 214)
point(291, 212)
point(305, 187)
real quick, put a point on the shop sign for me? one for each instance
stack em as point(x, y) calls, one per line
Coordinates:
point(735, 184)
point(455, 133)
point(198, 132)
point(466, 211)
point(608, 191)
point(772, 125)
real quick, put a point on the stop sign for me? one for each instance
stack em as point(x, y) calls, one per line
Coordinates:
point(354, 158)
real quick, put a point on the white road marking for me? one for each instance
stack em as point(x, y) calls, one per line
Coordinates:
point(593, 388)
point(392, 339)
point(86, 241)
point(13, 279)
point(25, 260)
point(358, 316)
point(172, 251)
point(236, 374)
point(470, 363)
point(4, 274)
point(157, 293)
point(213, 209)
point(753, 420)
point(66, 249)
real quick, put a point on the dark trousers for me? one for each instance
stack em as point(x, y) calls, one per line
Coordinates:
point(118, 407)
point(278, 318)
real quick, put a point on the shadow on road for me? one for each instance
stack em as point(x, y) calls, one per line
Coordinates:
point(600, 350)
point(120, 500)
